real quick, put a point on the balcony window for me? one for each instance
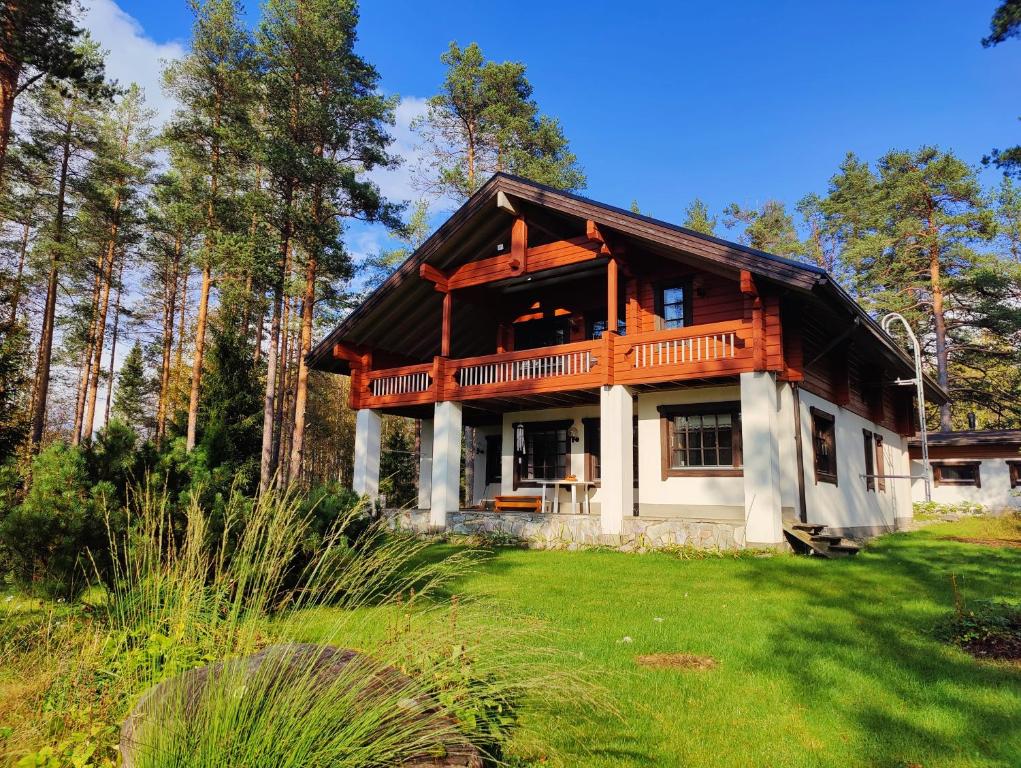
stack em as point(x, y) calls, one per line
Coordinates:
point(545, 332)
point(673, 304)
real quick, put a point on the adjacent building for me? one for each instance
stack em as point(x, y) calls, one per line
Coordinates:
point(973, 467)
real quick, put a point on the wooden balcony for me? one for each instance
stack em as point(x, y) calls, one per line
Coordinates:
point(696, 352)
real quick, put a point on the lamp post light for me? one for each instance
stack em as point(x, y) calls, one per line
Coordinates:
point(887, 322)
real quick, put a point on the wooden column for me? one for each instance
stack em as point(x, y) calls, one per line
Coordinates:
point(445, 338)
point(612, 294)
point(519, 244)
point(753, 303)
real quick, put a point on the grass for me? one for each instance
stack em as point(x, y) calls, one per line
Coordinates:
point(818, 662)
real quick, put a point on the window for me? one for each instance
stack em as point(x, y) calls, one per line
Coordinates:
point(544, 332)
point(965, 473)
point(870, 461)
point(592, 449)
point(597, 326)
point(546, 454)
point(880, 463)
point(1015, 473)
point(494, 449)
point(701, 439)
point(673, 305)
point(824, 446)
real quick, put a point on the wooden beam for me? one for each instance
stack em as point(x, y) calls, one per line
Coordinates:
point(519, 245)
point(445, 337)
point(612, 295)
point(595, 234)
point(753, 307)
point(433, 275)
point(748, 287)
point(504, 203)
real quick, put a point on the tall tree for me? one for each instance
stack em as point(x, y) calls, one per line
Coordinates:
point(484, 120)
point(40, 39)
point(377, 268)
point(697, 217)
point(915, 223)
point(325, 123)
point(119, 173)
point(1005, 25)
point(211, 134)
point(62, 133)
point(769, 228)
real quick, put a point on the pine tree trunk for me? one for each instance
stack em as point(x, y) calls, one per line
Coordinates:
point(942, 361)
point(258, 331)
point(301, 389)
point(10, 71)
point(19, 276)
point(181, 326)
point(169, 302)
point(269, 402)
point(283, 356)
point(89, 423)
point(50, 308)
point(113, 347)
point(88, 354)
point(196, 367)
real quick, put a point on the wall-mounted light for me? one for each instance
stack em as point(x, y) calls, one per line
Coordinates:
point(572, 433)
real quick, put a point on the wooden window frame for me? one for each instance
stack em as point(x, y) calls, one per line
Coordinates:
point(880, 463)
point(539, 426)
point(870, 459)
point(666, 415)
point(937, 474)
point(683, 283)
point(1014, 469)
point(822, 476)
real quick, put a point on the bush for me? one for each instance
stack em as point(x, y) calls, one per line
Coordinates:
point(987, 628)
point(58, 535)
point(934, 509)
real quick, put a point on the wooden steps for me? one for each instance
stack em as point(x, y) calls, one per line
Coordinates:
point(811, 539)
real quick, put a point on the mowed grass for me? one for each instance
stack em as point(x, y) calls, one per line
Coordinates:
point(820, 663)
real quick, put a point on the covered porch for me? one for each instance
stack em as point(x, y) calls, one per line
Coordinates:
point(599, 440)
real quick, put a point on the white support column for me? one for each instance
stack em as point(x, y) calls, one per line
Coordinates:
point(760, 448)
point(425, 464)
point(616, 411)
point(446, 480)
point(366, 471)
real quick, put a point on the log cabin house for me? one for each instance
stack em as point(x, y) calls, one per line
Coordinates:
point(980, 467)
point(679, 384)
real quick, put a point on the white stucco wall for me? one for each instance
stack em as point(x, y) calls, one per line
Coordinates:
point(718, 497)
point(995, 493)
point(849, 504)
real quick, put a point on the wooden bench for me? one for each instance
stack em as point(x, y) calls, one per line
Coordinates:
point(518, 504)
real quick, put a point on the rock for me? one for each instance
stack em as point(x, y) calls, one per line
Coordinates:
point(309, 665)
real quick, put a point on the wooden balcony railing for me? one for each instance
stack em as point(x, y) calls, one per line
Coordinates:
point(698, 351)
point(564, 367)
point(701, 351)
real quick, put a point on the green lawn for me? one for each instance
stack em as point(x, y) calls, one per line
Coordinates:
point(820, 662)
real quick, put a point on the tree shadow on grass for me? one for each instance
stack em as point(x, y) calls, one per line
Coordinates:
point(866, 649)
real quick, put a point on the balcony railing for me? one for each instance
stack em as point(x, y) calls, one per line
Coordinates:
point(701, 351)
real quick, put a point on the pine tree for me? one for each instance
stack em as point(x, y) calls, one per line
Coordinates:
point(325, 122)
point(484, 120)
point(212, 137)
point(379, 267)
point(697, 218)
point(133, 393)
point(40, 39)
point(1005, 25)
point(769, 228)
point(910, 232)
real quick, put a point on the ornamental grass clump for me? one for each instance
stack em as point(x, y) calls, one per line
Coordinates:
point(196, 647)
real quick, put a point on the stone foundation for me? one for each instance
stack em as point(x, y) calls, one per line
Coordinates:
point(546, 531)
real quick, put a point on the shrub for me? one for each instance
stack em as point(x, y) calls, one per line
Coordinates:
point(987, 628)
point(934, 509)
point(63, 519)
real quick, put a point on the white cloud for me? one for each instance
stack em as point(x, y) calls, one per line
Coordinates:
point(133, 56)
point(396, 183)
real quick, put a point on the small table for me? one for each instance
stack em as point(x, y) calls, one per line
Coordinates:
point(574, 485)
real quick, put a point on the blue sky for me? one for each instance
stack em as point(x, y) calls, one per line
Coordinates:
point(741, 101)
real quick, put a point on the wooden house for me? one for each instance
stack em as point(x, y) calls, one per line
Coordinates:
point(657, 375)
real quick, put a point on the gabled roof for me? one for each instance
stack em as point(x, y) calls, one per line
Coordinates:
point(447, 244)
